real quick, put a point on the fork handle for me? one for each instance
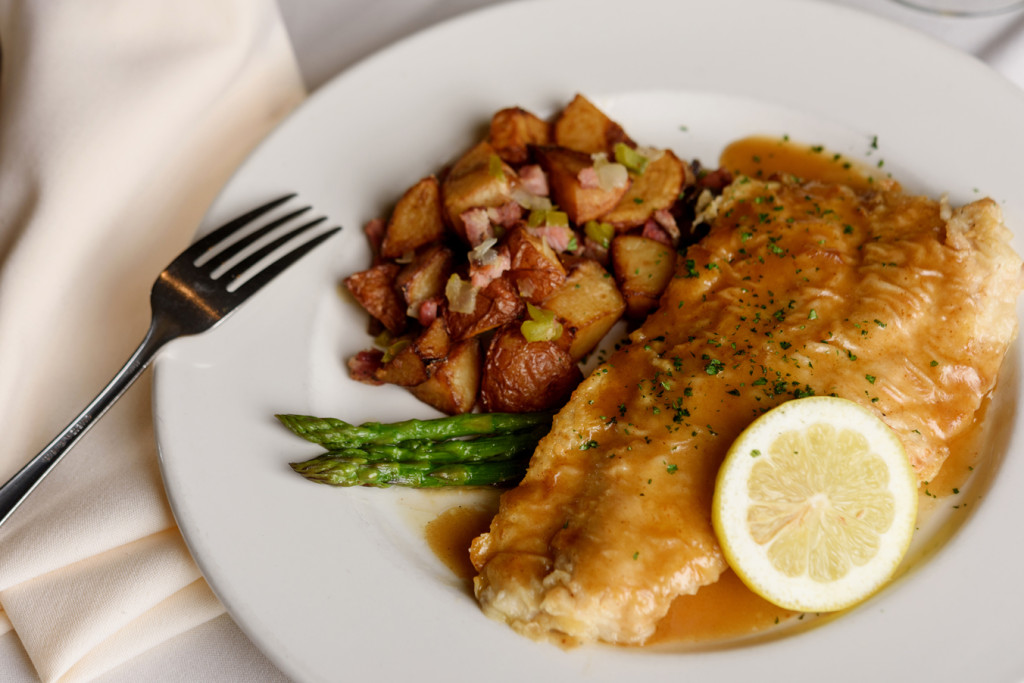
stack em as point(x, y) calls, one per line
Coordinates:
point(18, 488)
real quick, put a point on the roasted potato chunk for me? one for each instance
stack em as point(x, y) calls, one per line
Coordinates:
point(496, 304)
point(425, 276)
point(541, 223)
point(589, 302)
point(375, 291)
point(405, 369)
point(363, 366)
point(416, 220)
point(512, 132)
point(535, 268)
point(520, 376)
point(658, 187)
point(479, 179)
point(581, 126)
point(453, 382)
point(580, 202)
point(434, 342)
point(643, 268)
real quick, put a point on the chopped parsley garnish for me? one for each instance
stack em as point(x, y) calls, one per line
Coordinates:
point(713, 365)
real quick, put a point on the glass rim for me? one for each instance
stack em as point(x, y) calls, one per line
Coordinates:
point(966, 10)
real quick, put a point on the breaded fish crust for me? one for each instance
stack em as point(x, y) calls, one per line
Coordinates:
point(894, 301)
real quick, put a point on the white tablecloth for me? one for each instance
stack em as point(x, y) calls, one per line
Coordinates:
point(328, 36)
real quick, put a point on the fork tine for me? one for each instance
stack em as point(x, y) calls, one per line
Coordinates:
point(204, 244)
point(230, 251)
point(264, 251)
point(253, 284)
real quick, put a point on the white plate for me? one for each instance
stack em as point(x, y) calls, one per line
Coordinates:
point(340, 584)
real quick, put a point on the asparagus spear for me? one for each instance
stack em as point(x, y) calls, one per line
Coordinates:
point(333, 433)
point(346, 471)
point(498, 447)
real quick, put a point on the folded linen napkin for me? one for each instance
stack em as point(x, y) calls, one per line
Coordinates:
point(119, 122)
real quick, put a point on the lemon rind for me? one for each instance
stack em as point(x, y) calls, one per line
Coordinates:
point(747, 558)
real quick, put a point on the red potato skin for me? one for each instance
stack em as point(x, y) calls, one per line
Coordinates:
point(375, 291)
point(535, 269)
point(496, 304)
point(521, 376)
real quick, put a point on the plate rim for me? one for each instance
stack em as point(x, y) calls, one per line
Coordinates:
point(236, 194)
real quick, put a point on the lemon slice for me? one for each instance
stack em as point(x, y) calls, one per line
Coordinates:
point(815, 504)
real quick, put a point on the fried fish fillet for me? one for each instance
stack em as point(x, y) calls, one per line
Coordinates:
point(897, 302)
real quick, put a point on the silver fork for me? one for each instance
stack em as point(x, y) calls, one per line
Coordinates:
point(190, 296)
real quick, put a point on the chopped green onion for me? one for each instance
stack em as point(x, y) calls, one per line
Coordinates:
point(630, 158)
point(557, 218)
point(542, 217)
point(541, 326)
point(384, 339)
point(495, 167)
point(393, 350)
point(601, 233)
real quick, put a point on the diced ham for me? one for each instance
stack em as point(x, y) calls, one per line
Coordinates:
point(363, 365)
point(561, 238)
point(533, 179)
point(506, 215)
point(427, 311)
point(667, 221)
point(478, 225)
point(661, 226)
point(653, 231)
point(375, 230)
point(481, 275)
point(588, 178)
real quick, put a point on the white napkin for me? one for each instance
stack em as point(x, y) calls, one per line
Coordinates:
point(120, 121)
